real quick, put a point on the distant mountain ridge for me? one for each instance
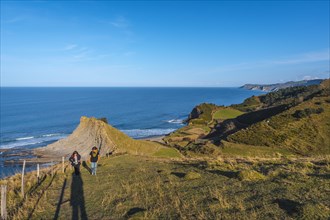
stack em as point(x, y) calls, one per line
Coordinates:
point(277, 86)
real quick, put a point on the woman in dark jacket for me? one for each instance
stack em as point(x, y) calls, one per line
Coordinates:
point(75, 162)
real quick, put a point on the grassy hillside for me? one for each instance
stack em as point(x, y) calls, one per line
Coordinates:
point(135, 187)
point(209, 116)
point(294, 119)
point(303, 129)
point(202, 114)
point(226, 113)
point(288, 96)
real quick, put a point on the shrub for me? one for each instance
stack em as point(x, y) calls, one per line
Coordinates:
point(250, 175)
point(307, 112)
point(191, 175)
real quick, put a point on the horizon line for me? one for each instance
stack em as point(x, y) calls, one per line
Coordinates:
point(163, 86)
point(120, 86)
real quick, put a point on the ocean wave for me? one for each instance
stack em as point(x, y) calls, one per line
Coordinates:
point(32, 140)
point(144, 133)
point(24, 138)
point(51, 135)
point(176, 121)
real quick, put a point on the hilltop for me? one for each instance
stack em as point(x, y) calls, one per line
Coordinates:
point(294, 120)
point(277, 86)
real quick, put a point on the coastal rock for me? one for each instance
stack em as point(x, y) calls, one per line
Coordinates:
point(90, 132)
point(95, 132)
point(195, 113)
point(202, 112)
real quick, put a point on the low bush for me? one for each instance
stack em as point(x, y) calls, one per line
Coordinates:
point(307, 112)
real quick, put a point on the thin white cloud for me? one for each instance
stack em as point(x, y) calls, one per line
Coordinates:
point(80, 55)
point(305, 58)
point(14, 20)
point(70, 47)
point(310, 57)
point(120, 22)
point(129, 53)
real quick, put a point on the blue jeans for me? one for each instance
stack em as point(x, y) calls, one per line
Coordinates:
point(93, 167)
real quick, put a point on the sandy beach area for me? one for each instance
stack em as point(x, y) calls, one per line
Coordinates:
point(155, 139)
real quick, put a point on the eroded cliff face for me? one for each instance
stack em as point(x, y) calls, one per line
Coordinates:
point(90, 132)
point(96, 132)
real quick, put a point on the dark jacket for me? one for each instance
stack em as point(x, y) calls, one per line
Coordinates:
point(72, 160)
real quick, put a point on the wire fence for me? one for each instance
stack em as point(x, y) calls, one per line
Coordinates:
point(35, 180)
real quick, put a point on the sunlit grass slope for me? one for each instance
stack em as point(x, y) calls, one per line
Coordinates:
point(136, 187)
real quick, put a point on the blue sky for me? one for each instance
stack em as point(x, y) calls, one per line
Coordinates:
point(100, 43)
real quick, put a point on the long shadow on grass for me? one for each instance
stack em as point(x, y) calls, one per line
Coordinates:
point(60, 201)
point(229, 174)
point(291, 207)
point(77, 200)
point(85, 165)
point(134, 211)
point(40, 196)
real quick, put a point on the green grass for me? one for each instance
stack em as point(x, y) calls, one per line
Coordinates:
point(250, 175)
point(183, 136)
point(308, 135)
point(206, 116)
point(168, 153)
point(249, 104)
point(147, 188)
point(227, 113)
point(235, 149)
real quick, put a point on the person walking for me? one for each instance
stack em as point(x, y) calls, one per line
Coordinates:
point(94, 159)
point(75, 160)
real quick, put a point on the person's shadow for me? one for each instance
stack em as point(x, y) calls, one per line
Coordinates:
point(77, 200)
point(84, 164)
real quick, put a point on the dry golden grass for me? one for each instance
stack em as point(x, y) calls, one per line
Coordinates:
point(135, 187)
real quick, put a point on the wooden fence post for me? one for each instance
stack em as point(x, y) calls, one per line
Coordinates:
point(22, 186)
point(3, 202)
point(38, 174)
point(52, 168)
point(63, 164)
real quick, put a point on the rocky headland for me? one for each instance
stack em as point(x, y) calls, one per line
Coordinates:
point(277, 86)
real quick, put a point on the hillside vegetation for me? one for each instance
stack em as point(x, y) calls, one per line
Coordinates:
point(294, 119)
point(135, 187)
point(302, 129)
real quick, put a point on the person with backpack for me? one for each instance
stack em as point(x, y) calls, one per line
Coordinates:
point(75, 160)
point(94, 159)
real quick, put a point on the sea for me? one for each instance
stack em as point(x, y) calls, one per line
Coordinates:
point(36, 117)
